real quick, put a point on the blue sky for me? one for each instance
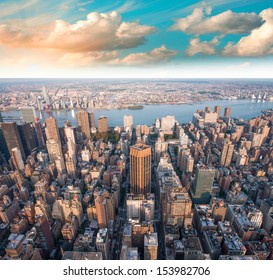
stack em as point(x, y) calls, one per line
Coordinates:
point(136, 38)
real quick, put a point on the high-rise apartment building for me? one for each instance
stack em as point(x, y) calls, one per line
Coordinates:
point(83, 124)
point(128, 122)
point(140, 169)
point(103, 124)
point(227, 152)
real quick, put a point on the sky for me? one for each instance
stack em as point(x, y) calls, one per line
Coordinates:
point(136, 39)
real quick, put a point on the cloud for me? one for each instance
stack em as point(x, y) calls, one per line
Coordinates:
point(87, 59)
point(205, 47)
point(227, 22)
point(85, 3)
point(157, 55)
point(99, 32)
point(258, 43)
point(129, 6)
point(8, 9)
point(84, 59)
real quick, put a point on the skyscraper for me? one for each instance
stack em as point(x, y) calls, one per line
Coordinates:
point(128, 122)
point(140, 169)
point(69, 132)
point(28, 114)
point(12, 137)
point(161, 147)
point(1, 119)
point(103, 124)
point(227, 112)
point(92, 120)
point(3, 147)
point(28, 137)
point(150, 246)
point(83, 123)
point(167, 124)
point(217, 110)
point(227, 152)
point(202, 186)
point(54, 145)
point(39, 133)
point(52, 130)
point(55, 153)
point(44, 233)
point(17, 159)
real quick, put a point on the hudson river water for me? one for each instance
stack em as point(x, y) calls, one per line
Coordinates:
point(244, 109)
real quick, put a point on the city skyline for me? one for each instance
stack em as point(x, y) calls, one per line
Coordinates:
point(136, 39)
point(200, 190)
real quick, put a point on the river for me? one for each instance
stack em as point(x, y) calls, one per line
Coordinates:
point(244, 109)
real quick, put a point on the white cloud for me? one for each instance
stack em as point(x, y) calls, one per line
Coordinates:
point(99, 32)
point(227, 22)
point(157, 55)
point(129, 6)
point(258, 43)
point(205, 47)
point(85, 3)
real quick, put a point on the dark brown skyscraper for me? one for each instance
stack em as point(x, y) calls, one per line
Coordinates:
point(227, 112)
point(12, 137)
point(140, 169)
point(83, 123)
point(44, 233)
point(92, 120)
point(217, 110)
point(39, 133)
point(27, 134)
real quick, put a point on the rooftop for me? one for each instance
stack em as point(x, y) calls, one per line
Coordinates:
point(150, 239)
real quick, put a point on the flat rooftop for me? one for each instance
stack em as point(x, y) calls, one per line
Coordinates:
point(140, 147)
point(150, 239)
